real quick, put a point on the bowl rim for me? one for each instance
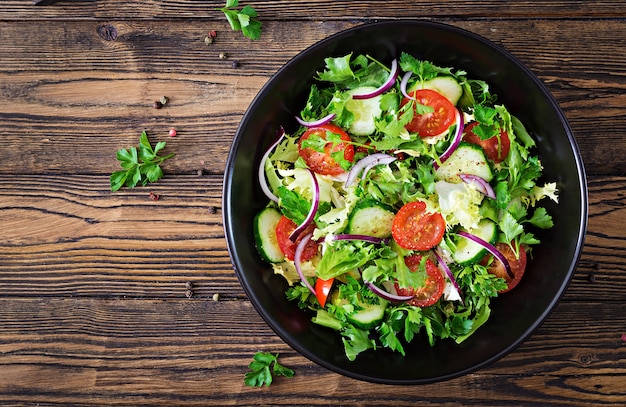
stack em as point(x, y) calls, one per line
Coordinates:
point(581, 175)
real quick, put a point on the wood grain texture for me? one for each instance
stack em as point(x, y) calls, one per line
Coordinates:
point(98, 92)
point(108, 298)
point(146, 352)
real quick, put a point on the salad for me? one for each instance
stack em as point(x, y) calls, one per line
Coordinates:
point(402, 205)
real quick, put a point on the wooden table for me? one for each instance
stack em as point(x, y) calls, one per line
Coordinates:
point(119, 299)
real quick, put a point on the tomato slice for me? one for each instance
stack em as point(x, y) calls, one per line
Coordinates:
point(496, 148)
point(283, 229)
point(414, 228)
point(322, 162)
point(322, 289)
point(517, 264)
point(436, 122)
point(434, 285)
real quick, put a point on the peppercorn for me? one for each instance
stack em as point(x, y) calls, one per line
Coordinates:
point(172, 132)
point(157, 104)
point(223, 55)
point(235, 64)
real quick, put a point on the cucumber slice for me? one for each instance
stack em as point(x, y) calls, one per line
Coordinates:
point(466, 159)
point(365, 112)
point(467, 251)
point(369, 315)
point(265, 235)
point(446, 85)
point(372, 218)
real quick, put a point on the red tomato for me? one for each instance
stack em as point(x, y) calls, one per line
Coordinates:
point(414, 228)
point(518, 265)
point(434, 285)
point(495, 148)
point(324, 163)
point(322, 289)
point(431, 124)
point(283, 230)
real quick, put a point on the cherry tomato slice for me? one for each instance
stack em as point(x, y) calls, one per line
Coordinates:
point(517, 264)
point(283, 230)
point(496, 148)
point(436, 122)
point(322, 289)
point(414, 228)
point(322, 162)
point(433, 287)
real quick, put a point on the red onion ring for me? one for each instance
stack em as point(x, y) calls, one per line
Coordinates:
point(366, 164)
point(315, 123)
point(261, 172)
point(446, 269)
point(491, 249)
point(391, 79)
point(456, 140)
point(480, 183)
point(314, 205)
point(297, 259)
point(404, 83)
point(385, 294)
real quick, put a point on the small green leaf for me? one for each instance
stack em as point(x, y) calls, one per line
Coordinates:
point(117, 179)
point(260, 373)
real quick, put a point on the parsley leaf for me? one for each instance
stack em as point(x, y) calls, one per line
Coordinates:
point(242, 19)
point(139, 164)
point(260, 372)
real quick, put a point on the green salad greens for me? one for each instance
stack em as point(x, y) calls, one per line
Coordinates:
point(403, 204)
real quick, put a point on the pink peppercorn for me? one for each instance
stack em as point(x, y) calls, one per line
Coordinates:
point(172, 132)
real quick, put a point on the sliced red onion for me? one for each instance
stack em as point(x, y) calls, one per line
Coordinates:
point(391, 79)
point(456, 140)
point(404, 83)
point(314, 205)
point(367, 164)
point(315, 123)
point(297, 259)
point(385, 294)
point(446, 269)
point(480, 183)
point(491, 249)
point(261, 173)
point(365, 238)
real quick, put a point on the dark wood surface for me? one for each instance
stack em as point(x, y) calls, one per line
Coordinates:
point(94, 308)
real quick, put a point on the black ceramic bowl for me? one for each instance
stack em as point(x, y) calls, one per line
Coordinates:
point(517, 314)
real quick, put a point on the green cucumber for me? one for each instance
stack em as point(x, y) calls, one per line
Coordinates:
point(365, 112)
point(265, 235)
point(467, 251)
point(466, 159)
point(372, 218)
point(365, 315)
point(445, 85)
point(369, 315)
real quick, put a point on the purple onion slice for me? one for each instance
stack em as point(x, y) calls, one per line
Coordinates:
point(480, 183)
point(391, 79)
point(315, 123)
point(261, 171)
point(491, 249)
point(456, 140)
point(297, 260)
point(366, 164)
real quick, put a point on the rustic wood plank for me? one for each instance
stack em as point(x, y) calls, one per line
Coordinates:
point(143, 352)
point(315, 9)
point(100, 93)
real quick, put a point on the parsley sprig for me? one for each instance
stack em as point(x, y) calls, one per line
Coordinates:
point(242, 19)
point(140, 164)
point(263, 368)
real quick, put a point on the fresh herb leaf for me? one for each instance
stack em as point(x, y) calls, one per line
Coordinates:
point(262, 369)
point(140, 164)
point(244, 19)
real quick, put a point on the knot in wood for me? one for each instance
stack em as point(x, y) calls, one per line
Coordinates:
point(107, 32)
